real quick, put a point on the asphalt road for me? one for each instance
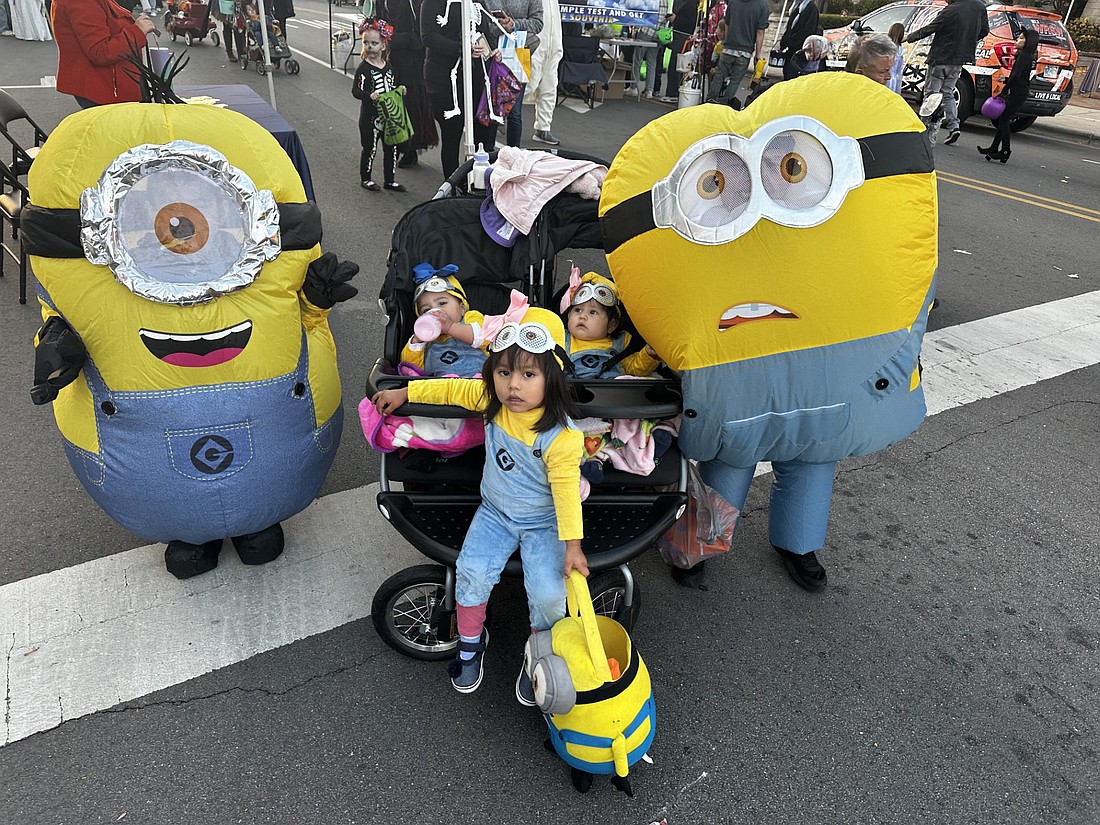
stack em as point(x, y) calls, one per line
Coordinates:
point(948, 673)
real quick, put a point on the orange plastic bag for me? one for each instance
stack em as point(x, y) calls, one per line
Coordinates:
point(704, 530)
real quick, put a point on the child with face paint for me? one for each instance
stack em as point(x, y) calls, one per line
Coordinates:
point(373, 77)
point(530, 488)
point(447, 337)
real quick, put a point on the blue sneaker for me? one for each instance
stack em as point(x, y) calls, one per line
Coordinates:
point(525, 691)
point(466, 673)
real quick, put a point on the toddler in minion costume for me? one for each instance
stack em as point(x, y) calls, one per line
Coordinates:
point(447, 335)
point(186, 347)
point(708, 216)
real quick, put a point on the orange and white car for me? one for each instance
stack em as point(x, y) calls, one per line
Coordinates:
point(1051, 87)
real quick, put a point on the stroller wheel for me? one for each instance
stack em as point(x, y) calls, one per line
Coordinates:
point(173, 37)
point(261, 69)
point(608, 591)
point(292, 66)
point(216, 38)
point(243, 60)
point(409, 615)
point(189, 39)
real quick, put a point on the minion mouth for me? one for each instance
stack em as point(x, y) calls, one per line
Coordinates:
point(206, 349)
point(743, 313)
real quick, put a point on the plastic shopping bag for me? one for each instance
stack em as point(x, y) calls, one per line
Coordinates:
point(514, 54)
point(705, 529)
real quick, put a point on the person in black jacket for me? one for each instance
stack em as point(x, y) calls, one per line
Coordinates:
point(685, 17)
point(1015, 92)
point(443, 51)
point(282, 10)
point(957, 30)
point(407, 59)
point(802, 23)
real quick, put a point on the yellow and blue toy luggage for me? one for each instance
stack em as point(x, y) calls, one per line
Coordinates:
point(594, 691)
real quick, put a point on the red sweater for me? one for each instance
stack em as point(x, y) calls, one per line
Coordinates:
point(93, 37)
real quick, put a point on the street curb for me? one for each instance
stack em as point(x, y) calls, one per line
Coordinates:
point(1090, 138)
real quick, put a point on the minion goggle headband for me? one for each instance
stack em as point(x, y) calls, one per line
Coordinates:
point(601, 293)
point(530, 336)
point(794, 171)
point(433, 284)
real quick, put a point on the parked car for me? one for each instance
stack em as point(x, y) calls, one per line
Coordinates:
point(1051, 87)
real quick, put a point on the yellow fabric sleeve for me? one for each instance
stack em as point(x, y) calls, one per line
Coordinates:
point(563, 469)
point(640, 363)
point(468, 393)
point(414, 356)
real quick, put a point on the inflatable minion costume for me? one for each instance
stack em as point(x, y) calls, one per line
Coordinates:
point(445, 355)
point(783, 260)
point(603, 357)
point(186, 346)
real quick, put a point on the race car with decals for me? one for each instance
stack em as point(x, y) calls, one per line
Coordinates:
point(1051, 85)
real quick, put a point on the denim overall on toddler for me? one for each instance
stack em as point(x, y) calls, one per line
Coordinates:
point(517, 509)
point(591, 361)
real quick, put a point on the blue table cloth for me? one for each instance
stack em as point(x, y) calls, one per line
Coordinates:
point(242, 99)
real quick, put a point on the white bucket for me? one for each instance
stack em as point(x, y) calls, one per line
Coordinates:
point(689, 96)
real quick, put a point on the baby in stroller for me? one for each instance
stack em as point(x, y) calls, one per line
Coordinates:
point(447, 335)
point(279, 50)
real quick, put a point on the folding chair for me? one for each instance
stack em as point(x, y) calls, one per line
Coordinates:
point(22, 155)
point(13, 195)
point(581, 69)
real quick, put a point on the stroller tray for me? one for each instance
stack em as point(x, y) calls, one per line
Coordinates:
point(618, 527)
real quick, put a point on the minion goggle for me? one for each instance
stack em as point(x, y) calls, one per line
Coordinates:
point(601, 293)
point(531, 336)
point(793, 171)
point(433, 285)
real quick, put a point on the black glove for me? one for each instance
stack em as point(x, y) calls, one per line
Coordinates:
point(327, 281)
point(58, 359)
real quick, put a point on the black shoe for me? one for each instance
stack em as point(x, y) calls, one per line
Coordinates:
point(261, 547)
point(804, 568)
point(987, 151)
point(185, 560)
point(393, 187)
point(691, 578)
point(371, 186)
point(1004, 156)
point(407, 160)
point(951, 138)
point(466, 673)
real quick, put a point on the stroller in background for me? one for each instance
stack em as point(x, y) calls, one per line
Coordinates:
point(190, 19)
point(414, 610)
point(254, 48)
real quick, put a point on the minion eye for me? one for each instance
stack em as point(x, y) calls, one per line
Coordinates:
point(715, 189)
point(171, 250)
point(796, 170)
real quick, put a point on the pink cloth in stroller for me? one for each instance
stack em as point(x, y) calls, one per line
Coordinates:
point(446, 436)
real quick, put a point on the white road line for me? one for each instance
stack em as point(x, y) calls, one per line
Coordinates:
point(85, 638)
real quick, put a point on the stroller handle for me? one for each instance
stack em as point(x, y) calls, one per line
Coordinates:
point(457, 181)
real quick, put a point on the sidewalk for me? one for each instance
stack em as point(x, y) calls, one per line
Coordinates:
point(1080, 119)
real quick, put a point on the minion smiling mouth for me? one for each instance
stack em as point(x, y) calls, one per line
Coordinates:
point(206, 349)
point(743, 313)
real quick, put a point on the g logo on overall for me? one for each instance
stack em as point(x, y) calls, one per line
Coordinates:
point(212, 454)
point(504, 460)
point(449, 357)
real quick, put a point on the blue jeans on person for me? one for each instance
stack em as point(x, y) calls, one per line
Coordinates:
point(943, 79)
point(5, 16)
point(800, 498)
point(491, 539)
point(730, 72)
point(514, 122)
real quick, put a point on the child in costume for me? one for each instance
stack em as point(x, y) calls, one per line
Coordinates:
point(530, 487)
point(447, 337)
point(374, 77)
point(590, 308)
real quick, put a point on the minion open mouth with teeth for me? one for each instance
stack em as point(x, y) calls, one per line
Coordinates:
point(743, 313)
point(204, 350)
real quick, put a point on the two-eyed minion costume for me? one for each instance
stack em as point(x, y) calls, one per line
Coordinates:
point(530, 489)
point(590, 358)
point(445, 355)
point(783, 260)
point(175, 240)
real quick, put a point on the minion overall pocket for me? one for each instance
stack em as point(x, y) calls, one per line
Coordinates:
point(594, 690)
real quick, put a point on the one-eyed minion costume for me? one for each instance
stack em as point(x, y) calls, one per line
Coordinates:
point(174, 245)
point(529, 489)
point(783, 260)
point(446, 355)
point(597, 359)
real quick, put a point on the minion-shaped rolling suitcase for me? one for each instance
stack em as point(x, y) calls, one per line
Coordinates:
point(594, 690)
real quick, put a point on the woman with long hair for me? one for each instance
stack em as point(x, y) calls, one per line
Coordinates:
point(1015, 93)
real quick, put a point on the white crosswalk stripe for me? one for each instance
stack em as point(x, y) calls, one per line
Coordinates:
point(85, 638)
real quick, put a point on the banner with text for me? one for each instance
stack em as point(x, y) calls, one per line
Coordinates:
point(625, 12)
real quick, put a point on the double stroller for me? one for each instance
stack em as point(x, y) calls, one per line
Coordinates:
point(190, 19)
point(431, 500)
point(254, 48)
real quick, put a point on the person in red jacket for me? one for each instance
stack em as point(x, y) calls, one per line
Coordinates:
point(93, 39)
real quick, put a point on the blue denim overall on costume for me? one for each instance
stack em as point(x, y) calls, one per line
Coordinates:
point(453, 357)
point(207, 462)
point(589, 362)
point(517, 509)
